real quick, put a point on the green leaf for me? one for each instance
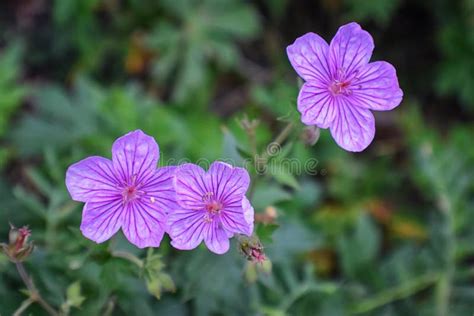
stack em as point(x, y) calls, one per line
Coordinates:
point(230, 150)
point(61, 119)
point(74, 297)
point(267, 194)
point(156, 279)
point(282, 174)
point(359, 247)
point(265, 232)
point(11, 91)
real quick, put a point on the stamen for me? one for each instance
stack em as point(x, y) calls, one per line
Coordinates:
point(212, 206)
point(207, 197)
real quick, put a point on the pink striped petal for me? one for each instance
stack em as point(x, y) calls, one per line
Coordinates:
point(135, 156)
point(191, 186)
point(227, 183)
point(309, 57)
point(350, 49)
point(238, 218)
point(143, 226)
point(216, 238)
point(377, 87)
point(102, 219)
point(316, 105)
point(186, 228)
point(354, 127)
point(159, 191)
point(91, 177)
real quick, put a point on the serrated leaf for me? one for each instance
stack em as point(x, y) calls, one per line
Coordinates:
point(359, 247)
point(74, 296)
point(230, 150)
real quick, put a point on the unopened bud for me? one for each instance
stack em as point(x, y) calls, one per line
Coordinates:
point(268, 217)
point(18, 247)
point(310, 135)
point(252, 249)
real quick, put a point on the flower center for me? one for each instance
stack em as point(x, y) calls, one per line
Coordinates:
point(344, 82)
point(212, 206)
point(340, 87)
point(131, 190)
point(129, 193)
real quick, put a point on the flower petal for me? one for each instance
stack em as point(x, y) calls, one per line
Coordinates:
point(377, 87)
point(143, 226)
point(101, 219)
point(159, 190)
point(90, 177)
point(249, 213)
point(190, 183)
point(238, 218)
point(309, 57)
point(186, 228)
point(216, 238)
point(315, 104)
point(350, 49)
point(354, 127)
point(135, 155)
point(227, 183)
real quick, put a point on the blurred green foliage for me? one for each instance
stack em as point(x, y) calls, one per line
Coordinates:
point(11, 90)
point(196, 35)
point(386, 232)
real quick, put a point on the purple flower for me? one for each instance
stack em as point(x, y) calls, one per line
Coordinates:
point(342, 86)
point(128, 192)
point(213, 207)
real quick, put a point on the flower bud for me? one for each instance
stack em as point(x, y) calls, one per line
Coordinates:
point(252, 249)
point(18, 247)
point(268, 217)
point(310, 135)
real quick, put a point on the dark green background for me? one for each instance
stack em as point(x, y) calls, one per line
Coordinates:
point(389, 231)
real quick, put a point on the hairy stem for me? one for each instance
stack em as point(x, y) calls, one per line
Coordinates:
point(444, 287)
point(394, 294)
point(35, 296)
point(109, 306)
point(304, 289)
point(262, 159)
point(279, 140)
point(23, 307)
point(128, 256)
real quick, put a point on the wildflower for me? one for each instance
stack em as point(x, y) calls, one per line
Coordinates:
point(342, 86)
point(128, 192)
point(18, 247)
point(213, 207)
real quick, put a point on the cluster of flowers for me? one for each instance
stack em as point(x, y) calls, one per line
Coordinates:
point(131, 193)
point(192, 205)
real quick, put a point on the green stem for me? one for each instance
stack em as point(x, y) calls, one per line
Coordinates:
point(252, 137)
point(305, 289)
point(394, 294)
point(34, 293)
point(109, 307)
point(128, 256)
point(279, 140)
point(444, 287)
point(263, 158)
point(23, 307)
